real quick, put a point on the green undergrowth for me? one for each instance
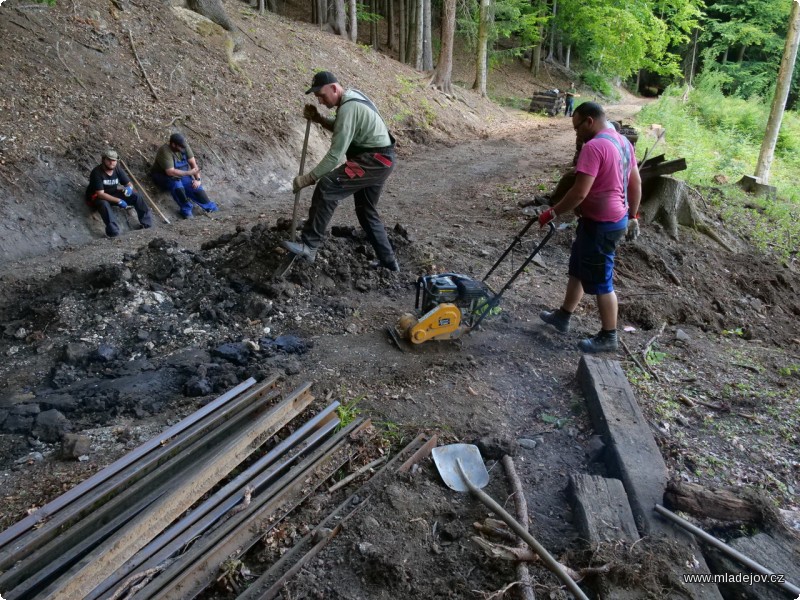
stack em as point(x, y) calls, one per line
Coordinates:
point(720, 138)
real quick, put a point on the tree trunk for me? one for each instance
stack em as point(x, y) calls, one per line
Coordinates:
point(444, 68)
point(725, 57)
point(340, 17)
point(740, 57)
point(411, 29)
point(694, 56)
point(483, 47)
point(401, 21)
point(373, 26)
point(567, 57)
point(390, 28)
point(353, 21)
point(427, 50)
point(420, 34)
point(553, 31)
point(536, 55)
point(785, 72)
point(260, 7)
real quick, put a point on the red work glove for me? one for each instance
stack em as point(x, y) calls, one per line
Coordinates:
point(546, 216)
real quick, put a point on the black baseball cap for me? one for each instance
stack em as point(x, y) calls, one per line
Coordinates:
point(178, 140)
point(320, 80)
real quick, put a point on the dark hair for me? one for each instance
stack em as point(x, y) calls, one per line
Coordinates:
point(590, 109)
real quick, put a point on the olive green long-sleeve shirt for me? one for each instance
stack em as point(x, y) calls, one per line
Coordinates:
point(355, 123)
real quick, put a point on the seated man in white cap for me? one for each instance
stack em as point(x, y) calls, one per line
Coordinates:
point(109, 186)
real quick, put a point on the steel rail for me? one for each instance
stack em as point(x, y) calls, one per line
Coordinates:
point(189, 486)
point(82, 488)
point(279, 570)
point(188, 577)
point(210, 511)
point(67, 530)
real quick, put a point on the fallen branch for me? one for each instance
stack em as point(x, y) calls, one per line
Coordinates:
point(141, 66)
point(521, 505)
point(501, 532)
point(66, 66)
point(361, 471)
point(636, 360)
point(650, 342)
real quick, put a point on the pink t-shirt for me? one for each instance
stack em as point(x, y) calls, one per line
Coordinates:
point(599, 158)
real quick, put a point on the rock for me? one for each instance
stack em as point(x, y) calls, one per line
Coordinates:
point(3, 416)
point(197, 386)
point(62, 402)
point(76, 354)
point(342, 231)
point(595, 448)
point(290, 344)
point(105, 353)
point(143, 335)
point(73, 446)
point(352, 328)
point(497, 447)
point(682, 336)
point(50, 426)
point(236, 352)
point(15, 423)
point(526, 443)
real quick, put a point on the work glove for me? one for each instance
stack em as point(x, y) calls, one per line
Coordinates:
point(311, 113)
point(302, 181)
point(633, 230)
point(122, 204)
point(546, 216)
point(128, 190)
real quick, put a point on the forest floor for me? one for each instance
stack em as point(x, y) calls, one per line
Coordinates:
point(111, 331)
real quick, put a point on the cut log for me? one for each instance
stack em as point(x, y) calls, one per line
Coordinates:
point(602, 511)
point(662, 168)
point(713, 503)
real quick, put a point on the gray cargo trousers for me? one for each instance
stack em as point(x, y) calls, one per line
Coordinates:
point(363, 177)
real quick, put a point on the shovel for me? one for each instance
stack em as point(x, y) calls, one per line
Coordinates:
point(461, 468)
point(287, 262)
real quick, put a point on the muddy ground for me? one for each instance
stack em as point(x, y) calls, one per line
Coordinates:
point(117, 339)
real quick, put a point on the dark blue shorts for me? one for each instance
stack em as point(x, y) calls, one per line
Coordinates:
point(592, 257)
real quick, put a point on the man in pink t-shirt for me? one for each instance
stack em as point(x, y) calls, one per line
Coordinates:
point(605, 196)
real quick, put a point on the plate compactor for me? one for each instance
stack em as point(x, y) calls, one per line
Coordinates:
point(448, 305)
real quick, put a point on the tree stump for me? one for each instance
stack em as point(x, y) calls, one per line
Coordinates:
point(668, 201)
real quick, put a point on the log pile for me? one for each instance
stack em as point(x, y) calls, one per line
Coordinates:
point(549, 102)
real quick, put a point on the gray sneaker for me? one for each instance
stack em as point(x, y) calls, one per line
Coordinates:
point(307, 253)
point(557, 318)
point(605, 341)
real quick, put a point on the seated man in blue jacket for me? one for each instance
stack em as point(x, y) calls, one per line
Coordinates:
point(175, 170)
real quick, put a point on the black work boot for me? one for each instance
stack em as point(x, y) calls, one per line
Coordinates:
point(604, 341)
point(307, 253)
point(558, 318)
point(391, 265)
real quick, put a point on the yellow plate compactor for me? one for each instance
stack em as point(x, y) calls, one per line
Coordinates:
point(448, 305)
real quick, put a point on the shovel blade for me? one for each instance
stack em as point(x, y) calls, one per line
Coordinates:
point(446, 459)
point(285, 266)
